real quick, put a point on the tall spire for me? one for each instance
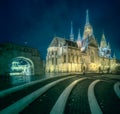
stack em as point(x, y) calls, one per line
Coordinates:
point(79, 35)
point(71, 32)
point(103, 42)
point(103, 37)
point(87, 17)
point(108, 46)
point(114, 56)
point(88, 31)
point(79, 43)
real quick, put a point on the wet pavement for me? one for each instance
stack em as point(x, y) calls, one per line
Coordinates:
point(11, 81)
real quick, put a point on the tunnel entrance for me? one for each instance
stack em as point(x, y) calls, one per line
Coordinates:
point(21, 66)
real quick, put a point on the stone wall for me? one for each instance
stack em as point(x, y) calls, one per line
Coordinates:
point(10, 51)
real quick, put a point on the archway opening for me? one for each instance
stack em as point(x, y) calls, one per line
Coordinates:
point(21, 66)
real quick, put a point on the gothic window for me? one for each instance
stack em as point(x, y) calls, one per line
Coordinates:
point(56, 61)
point(56, 53)
point(64, 58)
point(52, 52)
point(81, 60)
point(68, 58)
point(52, 61)
point(77, 59)
point(73, 59)
point(92, 57)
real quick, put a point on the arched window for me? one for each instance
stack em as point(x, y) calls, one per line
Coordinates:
point(52, 53)
point(76, 59)
point(73, 59)
point(68, 58)
point(52, 60)
point(56, 61)
point(64, 58)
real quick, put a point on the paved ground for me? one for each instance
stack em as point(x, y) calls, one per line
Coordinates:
point(106, 97)
point(78, 99)
point(77, 102)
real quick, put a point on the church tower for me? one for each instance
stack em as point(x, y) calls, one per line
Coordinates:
point(88, 31)
point(71, 33)
point(103, 43)
point(79, 41)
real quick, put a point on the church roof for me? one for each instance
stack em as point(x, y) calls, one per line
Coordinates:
point(92, 42)
point(57, 41)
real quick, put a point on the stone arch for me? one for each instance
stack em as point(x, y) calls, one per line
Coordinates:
point(21, 66)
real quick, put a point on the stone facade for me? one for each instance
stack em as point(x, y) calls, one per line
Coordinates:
point(85, 54)
point(11, 53)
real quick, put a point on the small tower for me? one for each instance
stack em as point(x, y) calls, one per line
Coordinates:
point(88, 31)
point(79, 43)
point(108, 51)
point(103, 43)
point(108, 46)
point(114, 56)
point(71, 33)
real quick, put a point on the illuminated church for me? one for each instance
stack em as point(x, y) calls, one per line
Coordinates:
point(85, 53)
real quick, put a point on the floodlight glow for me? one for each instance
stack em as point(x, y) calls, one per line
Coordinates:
point(21, 66)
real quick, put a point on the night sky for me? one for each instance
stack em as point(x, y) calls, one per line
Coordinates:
point(38, 21)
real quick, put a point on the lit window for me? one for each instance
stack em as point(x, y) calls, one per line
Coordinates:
point(64, 58)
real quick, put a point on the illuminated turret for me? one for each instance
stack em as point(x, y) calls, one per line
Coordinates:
point(103, 43)
point(108, 46)
point(71, 33)
point(88, 31)
point(79, 40)
point(114, 56)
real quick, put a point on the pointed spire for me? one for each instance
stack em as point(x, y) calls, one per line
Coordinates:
point(114, 56)
point(108, 46)
point(103, 36)
point(71, 32)
point(87, 17)
point(79, 35)
point(79, 43)
point(103, 43)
